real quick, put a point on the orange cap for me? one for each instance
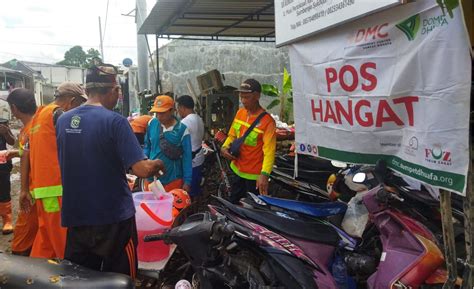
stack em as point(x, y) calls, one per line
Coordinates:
point(162, 103)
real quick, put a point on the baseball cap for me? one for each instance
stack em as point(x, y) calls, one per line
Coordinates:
point(162, 103)
point(103, 75)
point(250, 85)
point(70, 88)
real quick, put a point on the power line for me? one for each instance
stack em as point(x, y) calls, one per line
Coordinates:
point(65, 45)
point(29, 56)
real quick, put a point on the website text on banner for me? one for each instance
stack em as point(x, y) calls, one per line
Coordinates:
point(296, 19)
point(394, 86)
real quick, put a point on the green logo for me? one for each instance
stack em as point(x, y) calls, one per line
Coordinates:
point(410, 26)
point(75, 121)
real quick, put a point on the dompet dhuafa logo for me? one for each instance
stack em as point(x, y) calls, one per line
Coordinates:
point(410, 26)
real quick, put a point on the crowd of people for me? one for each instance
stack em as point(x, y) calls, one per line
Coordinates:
point(75, 202)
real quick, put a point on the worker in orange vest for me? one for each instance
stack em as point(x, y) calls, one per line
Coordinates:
point(23, 107)
point(46, 185)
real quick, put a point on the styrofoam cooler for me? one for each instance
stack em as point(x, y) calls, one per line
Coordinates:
point(153, 216)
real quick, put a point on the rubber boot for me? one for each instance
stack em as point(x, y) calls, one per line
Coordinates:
point(6, 214)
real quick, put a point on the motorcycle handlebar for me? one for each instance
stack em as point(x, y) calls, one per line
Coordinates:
point(225, 229)
point(384, 196)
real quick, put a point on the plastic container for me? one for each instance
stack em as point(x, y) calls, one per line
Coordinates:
point(3, 156)
point(153, 216)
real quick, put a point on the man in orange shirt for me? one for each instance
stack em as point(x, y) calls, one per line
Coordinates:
point(254, 163)
point(139, 125)
point(46, 184)
point(23, 107)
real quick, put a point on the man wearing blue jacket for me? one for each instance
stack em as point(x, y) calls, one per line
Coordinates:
point(169, 140)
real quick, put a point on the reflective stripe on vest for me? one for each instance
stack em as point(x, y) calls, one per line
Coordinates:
point(47, 192)
point(243, 175)
point(51, 205)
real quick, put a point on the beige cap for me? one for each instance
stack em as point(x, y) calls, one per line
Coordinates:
point(70, 88)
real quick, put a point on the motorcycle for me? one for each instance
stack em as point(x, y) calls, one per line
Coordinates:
point(420, 203)
point(35, 273)
point(242, 247)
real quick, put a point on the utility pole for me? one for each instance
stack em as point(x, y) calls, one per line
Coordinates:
point(142, 47)
point(101, 43)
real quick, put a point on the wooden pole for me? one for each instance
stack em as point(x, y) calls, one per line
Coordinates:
point(448, 236)
point(468, 208)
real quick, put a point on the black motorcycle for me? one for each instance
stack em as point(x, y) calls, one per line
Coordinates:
point(23, 272)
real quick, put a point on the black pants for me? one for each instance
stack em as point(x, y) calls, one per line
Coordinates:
point(5, 187)
point(240, 187)
point(108, 248)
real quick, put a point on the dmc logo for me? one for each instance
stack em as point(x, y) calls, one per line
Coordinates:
point(370, 33)
point(437, 155)
point(410, 26)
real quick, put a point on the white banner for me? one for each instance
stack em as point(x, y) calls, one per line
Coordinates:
point(394, 86)
point(295, 19)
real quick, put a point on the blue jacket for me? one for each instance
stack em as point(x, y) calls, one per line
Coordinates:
point(178, 135)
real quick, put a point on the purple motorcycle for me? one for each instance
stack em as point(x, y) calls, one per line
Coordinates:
point(256, 247)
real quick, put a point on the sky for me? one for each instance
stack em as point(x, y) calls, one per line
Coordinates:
point(42, 31)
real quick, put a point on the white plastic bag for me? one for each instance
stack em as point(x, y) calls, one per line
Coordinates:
point(356, 216)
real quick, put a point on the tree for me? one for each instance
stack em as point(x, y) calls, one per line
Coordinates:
point(92, 54)
point(77, 57)
point(284, 97)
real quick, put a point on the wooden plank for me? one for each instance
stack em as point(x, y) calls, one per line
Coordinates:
point(468, 9)
point(448, 237)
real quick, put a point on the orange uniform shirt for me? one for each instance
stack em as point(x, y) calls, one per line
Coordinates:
point(257, 153)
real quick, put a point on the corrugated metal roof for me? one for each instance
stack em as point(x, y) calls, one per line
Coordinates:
point(213, 18)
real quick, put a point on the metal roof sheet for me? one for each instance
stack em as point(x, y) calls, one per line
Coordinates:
point(213, 18)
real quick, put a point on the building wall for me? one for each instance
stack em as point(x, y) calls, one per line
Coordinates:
point(181, 60)
point(55, 75)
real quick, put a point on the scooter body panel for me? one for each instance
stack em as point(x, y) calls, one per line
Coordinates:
point(410, 254)
point(24, 272)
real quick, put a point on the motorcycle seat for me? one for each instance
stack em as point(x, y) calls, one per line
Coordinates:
point(25, 272)
point(312, 209)
point(285, 225)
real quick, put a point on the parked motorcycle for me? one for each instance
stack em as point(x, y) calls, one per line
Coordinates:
point(256, 247)
point(23, 272)
point(420, 203)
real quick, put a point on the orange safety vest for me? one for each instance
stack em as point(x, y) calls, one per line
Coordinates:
point(44, 164)
point(251, 163)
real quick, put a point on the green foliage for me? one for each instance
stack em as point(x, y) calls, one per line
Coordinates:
point(91, 55)
point(270, 90)
point(77, 57)
point(274, 103)
point(449, 5)
point(284, 96)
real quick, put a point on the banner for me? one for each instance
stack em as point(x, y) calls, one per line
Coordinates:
point(295, 19)
point(395, 86)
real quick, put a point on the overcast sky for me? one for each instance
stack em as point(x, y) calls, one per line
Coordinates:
point(42, 31)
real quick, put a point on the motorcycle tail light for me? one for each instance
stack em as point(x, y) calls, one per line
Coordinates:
point(427, 264)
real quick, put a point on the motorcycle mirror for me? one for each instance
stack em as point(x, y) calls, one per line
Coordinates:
point(339, 164)
point(359, 178)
